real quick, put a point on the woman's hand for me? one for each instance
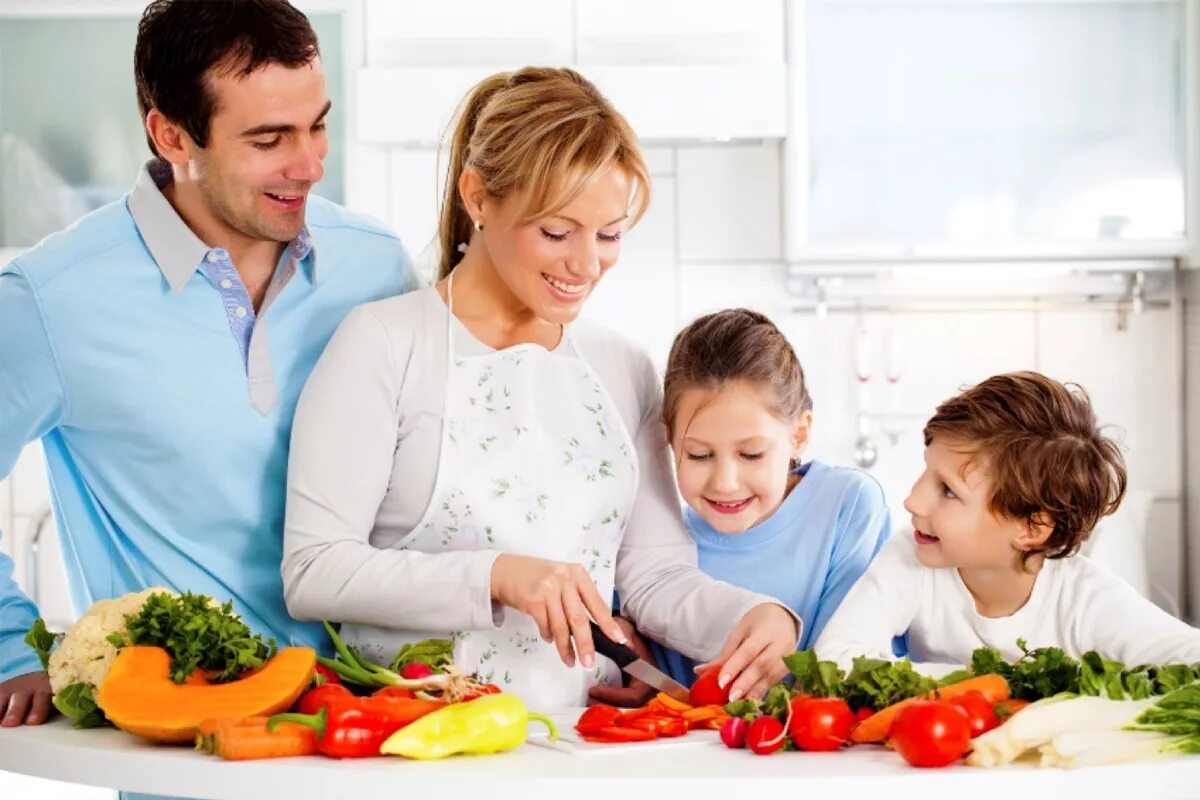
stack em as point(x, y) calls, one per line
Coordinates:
point(636, 694)
point(560, 597)
point(25, 699)
point(753, 654)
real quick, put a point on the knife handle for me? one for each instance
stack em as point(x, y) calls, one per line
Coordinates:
point(605, 646)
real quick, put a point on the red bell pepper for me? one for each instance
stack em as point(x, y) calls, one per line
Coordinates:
point(314, 699)
point(326, 675)
point(356, 727)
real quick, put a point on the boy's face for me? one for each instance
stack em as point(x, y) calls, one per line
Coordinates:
point(732, 454)
point(266, 144)
point(949, 505)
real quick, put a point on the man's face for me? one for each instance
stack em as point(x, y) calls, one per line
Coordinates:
point(266, 143)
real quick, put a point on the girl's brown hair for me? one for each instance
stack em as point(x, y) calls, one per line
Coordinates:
point(734, 345)
point(538, 130)
point(1048, 460)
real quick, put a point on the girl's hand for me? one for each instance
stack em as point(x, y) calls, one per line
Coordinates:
point(636, 694)
point(560, 597)
point(753, 654)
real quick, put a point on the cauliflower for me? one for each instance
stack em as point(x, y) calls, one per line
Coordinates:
point(85, 653)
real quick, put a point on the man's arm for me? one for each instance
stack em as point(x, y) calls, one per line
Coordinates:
point(32, 402)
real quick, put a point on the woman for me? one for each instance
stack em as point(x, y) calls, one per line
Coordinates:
point(469, 461)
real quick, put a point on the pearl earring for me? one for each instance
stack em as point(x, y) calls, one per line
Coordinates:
point(478, 225)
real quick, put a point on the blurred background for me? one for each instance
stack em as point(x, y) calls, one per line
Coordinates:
point(921, 193)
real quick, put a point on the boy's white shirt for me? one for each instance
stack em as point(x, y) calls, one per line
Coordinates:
point(1075, 604)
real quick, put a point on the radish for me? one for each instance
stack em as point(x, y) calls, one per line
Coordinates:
point(733, 733)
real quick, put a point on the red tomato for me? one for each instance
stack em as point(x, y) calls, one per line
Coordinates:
point(863, 713)
point(931, 733)
point(706, 692)
point(820, 723)
point(981, 715)
point(765, 735)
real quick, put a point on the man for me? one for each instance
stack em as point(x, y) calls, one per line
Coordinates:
point(159, 345)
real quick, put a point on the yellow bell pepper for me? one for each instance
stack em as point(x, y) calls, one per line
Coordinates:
point(490, 724)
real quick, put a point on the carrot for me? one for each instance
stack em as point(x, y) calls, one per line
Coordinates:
point(876, 727)
point(248, 738)
point(1006, 708)
point(671, 703)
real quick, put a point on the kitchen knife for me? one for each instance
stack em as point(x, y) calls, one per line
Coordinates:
point(637, 667)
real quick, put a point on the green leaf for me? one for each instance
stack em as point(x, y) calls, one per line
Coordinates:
point(747, 708)
point(78, 703)
point(814, 677)
point(876, 684)
point(41, 640)
point(198, 635)
point(437, 654)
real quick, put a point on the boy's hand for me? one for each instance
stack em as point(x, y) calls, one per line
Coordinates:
point(636, 694)
point(25, 699)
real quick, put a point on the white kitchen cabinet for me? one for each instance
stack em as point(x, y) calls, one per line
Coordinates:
point(462, 32)
point(679, 31)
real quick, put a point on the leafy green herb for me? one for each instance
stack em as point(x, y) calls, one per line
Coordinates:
point(747, 708)
point(813, 677)
point(41, 640)
point(198, 635)
point(876, 684)
point(77, 702)
point(437, 654)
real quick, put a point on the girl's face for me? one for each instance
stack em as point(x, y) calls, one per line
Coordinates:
point(732, 454)
point(953, 525)
point(552, 264)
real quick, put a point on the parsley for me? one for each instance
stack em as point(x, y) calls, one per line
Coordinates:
point(199, 635)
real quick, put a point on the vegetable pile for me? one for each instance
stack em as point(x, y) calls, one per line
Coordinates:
point(1072, 712)
point(195, 631)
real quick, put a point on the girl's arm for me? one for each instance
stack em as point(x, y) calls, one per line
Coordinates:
point(880, 607)
point(866, 525)
point(344, 440)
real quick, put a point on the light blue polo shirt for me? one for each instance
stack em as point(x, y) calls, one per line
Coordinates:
point(164, 402)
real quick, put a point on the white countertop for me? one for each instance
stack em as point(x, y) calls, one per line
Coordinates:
point(683, 771)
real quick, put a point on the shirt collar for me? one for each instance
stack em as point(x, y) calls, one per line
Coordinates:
point(176, 249)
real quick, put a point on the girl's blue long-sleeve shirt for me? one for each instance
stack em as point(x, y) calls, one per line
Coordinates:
point(807, 554)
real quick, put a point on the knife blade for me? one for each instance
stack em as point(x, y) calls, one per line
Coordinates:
point(637, 667)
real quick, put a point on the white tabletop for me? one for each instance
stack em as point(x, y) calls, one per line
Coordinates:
point(686, 771)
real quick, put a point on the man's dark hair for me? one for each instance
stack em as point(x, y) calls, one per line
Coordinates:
point(180, 43)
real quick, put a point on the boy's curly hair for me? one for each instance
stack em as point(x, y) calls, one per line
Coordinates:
point(1048, 459)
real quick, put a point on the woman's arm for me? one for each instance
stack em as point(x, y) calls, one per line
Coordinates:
point(344, 440)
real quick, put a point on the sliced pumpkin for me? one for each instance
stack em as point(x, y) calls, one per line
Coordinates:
point(139, 696)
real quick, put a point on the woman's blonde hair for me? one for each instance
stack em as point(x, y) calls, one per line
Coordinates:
point(538, 130)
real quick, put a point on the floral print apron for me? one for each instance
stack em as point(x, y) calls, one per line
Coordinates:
point(535, 461)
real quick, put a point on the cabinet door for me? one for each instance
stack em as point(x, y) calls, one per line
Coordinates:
point(416, 33)
point(679, 31)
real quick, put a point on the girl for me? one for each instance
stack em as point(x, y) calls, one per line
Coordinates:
point(738, 414)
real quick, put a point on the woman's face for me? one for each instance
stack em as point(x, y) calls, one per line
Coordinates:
point(552, 264)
